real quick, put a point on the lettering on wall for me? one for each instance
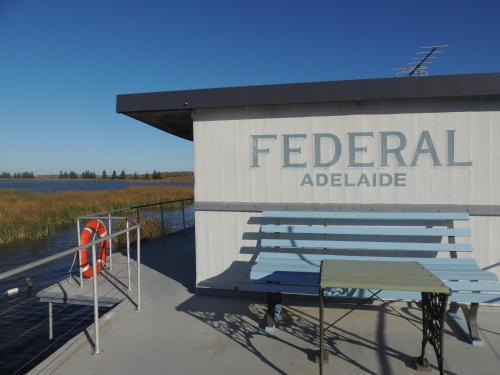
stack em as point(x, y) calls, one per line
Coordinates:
point(340, 155)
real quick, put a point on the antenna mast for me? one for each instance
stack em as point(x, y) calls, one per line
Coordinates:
point(418, 65)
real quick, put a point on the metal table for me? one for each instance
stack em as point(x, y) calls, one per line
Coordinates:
point(396, 276)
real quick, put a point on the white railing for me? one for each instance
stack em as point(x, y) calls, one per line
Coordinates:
point(130, 225)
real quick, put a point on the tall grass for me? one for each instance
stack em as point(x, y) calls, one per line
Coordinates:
point(31, 215)
point(151, 227)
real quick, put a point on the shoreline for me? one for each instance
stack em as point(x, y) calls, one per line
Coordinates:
point(99, 179)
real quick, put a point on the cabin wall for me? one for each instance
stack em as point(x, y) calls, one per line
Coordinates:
point(454, 146)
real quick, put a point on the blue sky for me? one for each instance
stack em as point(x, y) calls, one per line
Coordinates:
point(63, 62)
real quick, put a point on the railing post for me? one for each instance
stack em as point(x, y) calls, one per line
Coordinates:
point(79, 252)
point(138, 268)
point(51, 328)
point(128, 253)
point(110, 243)
point(162, 221)
point(96, 305)
point(138, 215)
point(183, 215)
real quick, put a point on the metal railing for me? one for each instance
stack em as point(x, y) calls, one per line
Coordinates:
point(137, 209)
point(131, 217)
point(161, 205)
point(130, 226)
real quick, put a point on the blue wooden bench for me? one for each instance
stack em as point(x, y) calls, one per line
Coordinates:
point(298, 241)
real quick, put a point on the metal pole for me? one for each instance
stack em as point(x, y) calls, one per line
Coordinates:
point(138, 268)
point(79, 252)
point(51, 328)
point(96, 306)
point(128, 254)
point(321, 331)
point(162, 221)
point(110, 243)
point(183, 215)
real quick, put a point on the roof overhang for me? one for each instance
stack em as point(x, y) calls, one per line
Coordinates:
point(171, 111)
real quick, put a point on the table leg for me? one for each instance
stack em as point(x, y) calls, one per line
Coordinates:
point(321, 332)
point(433, 312)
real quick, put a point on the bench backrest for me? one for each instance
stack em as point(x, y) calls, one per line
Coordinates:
point(368, 233)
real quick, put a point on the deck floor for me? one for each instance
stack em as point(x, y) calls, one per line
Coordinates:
point(178, 332)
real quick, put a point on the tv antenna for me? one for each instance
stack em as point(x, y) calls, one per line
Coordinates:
point(418, 65)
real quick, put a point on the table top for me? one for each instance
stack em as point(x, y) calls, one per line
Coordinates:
point(380, 275)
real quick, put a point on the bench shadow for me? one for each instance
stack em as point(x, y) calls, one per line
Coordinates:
point(240, 320)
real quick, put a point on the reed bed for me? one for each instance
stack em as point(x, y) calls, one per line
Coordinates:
point(151, 227)
point(32, 215)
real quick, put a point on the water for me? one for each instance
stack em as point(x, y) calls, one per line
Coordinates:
point(87, 185)
point(23, 320)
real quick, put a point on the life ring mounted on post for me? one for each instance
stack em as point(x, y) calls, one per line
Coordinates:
point(92, 228)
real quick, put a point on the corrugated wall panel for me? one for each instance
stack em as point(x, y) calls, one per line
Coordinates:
point(223, 158)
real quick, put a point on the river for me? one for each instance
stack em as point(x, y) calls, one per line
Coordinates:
point(87, 185)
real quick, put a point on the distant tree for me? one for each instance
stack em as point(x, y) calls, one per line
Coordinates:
point(60, 174)
point(104, 175)
point(123, 175)
point(135, 176)
point(73, 174)
point(5, 175)
point(114, 176)
point(27, 175)
point(156, 175)
point(146, 176)
point(65, 174)
point(88, 174)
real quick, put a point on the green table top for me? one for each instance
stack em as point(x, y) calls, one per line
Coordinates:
point(380, 275)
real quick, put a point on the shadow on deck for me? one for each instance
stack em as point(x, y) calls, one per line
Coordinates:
point(188, 333)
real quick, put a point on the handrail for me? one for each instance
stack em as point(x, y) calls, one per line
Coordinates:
point(158, 203)
point(139, 206)
point(50, 258)
point(104, 217)
point(131, 224)
point(136, 226)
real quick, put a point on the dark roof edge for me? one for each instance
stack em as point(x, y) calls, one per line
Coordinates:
point(463, 85)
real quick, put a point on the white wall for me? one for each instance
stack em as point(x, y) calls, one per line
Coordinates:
point(223, 159)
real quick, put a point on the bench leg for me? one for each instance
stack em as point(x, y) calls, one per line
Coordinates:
point(469, 327)
point(433, 311)
point(274, 301)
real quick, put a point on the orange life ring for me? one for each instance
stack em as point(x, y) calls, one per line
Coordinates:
point(87, 235)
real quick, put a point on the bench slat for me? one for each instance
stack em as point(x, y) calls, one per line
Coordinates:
point(421, 216)
point(314, 266)
point(367, 230)
point(360, 245)
point(475, 286)
point(262, 275)
point(447, 271)
point(312, 279)
point(264, 255)
point(387, 295)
